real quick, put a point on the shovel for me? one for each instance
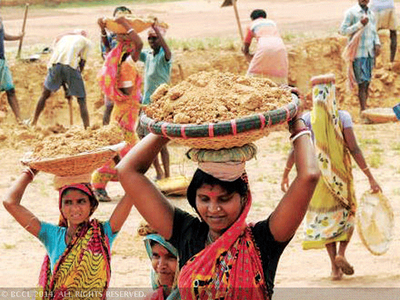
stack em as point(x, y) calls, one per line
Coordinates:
point(233, 3)
point(23, 30)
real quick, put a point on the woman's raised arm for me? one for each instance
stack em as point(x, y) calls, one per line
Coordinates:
point(13, 205)
point(290, 211)
point(140, 191)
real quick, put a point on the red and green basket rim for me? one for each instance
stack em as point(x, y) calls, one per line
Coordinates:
point(233, 127)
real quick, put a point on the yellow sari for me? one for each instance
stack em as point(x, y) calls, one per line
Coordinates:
point(330, 216)
point(83, 271)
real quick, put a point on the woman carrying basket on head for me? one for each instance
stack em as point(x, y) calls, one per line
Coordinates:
point(79, 248)
point(330, 216)
point(220, 256)
point(121, 82)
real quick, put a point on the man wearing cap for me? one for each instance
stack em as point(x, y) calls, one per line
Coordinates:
point(157, 70)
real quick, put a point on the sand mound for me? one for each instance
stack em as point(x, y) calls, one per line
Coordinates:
point(214, 96)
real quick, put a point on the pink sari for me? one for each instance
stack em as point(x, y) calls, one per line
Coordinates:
point(270, 58)
point(230, 268)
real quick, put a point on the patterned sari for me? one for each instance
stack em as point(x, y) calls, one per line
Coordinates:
point(113, 76)
point(330, 215)
point(83, 271)
point(230, 268)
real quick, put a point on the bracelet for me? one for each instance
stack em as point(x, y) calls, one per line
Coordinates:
point(104, 35)
point(29, 172)
point(286, 168)
point(129, 31)
point(292, 139)
point(365, 169)
point(298, 131)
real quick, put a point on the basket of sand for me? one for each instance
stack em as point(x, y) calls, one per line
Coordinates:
point(75, 151)
point(214, 110)
point(138, 24)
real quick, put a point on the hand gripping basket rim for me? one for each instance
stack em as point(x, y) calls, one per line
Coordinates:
point(365, 236)
point(78, 164)
point(226, 134)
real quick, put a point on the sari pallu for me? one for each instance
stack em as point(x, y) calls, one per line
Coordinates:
point(330, 215)
point(230, 268)
point(83, 271)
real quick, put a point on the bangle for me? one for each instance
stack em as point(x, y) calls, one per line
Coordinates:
point(129, 31)
point(104, 35)
point(298, 131)
point(286, 168)
point(308, 132)
point(365, 169)
point(29, 172)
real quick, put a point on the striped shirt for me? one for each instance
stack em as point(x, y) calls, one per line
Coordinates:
point(69, 50)
point(352, 23)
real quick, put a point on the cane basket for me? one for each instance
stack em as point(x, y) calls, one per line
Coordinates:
point(226, 134)
point(81, 163)
point(375, 222)
point(137, 24)
point(173, 186)
point(379, 115)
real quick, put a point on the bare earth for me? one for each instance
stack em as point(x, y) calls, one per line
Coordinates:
point(21, 254)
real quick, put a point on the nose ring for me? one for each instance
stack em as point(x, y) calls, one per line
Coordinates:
point(218, 208)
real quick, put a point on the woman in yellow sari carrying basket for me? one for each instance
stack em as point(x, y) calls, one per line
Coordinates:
point(330, 216)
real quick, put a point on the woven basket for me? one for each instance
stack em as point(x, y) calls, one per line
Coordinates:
point(379, 115)
point(375, 222)
point(137, 24)
point(226, 134)
point(173, 186)
point(82, 163)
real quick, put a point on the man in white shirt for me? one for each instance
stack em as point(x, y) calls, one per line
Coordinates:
point(386, 18)
point(64, 69)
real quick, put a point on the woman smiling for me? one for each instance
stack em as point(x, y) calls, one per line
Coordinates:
point(220, 255)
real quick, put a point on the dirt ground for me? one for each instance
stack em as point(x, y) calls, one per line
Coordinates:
point(315, 50)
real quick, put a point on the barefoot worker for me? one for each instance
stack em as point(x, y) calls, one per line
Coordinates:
point(220, 256)
point(330, 216)
point(6, 80)
point(65, 69)
point(157, 71)
point(108, 41)
point(120, 82)
point(79, 248)
point(164, 262)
